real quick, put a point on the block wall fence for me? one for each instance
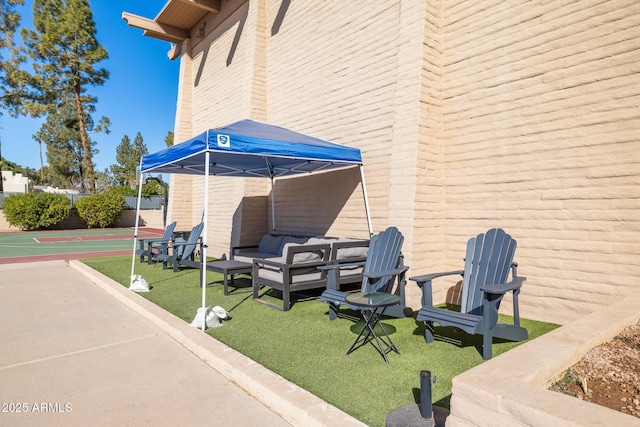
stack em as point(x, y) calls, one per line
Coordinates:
point(523, 115)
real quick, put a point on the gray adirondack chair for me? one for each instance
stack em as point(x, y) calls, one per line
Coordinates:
point(383, 265)
point(488, 261)
point(149, 247)
point(183, 252)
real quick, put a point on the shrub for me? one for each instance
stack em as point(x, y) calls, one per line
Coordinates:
point(101, 210)
point(31, 211)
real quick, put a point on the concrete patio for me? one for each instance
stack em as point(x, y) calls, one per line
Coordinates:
point(74, 354)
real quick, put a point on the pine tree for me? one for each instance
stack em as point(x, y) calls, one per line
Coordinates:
point(12, 80)
point(118, 170)
point(139, 150)
point(64, 50)
point(128, 156)
point(168, 140)
point(9, 68)
point(65, 153)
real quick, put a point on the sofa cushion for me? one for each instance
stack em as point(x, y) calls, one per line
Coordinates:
point(270, 244)
point(320, 240)
point(248, 257)
point(290, 239)
point(351, 271)
point(276, 276)
point(352, 252)
point(301, 256)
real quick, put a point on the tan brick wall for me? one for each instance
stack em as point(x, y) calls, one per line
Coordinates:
point(470, 115)
point(426, 252)
point(332, 72)
point(328, 204)
point(540, 129)
point(229, 66)
point(179, 207)
point(222, 80)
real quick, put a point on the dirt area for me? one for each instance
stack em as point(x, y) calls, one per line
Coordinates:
point(609, 375)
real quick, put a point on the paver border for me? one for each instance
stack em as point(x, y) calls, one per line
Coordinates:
point(512, 389)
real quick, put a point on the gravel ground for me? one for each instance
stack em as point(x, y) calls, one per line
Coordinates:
point(609, 375)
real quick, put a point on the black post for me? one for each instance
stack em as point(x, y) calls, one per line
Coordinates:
point(426, 410)
point(422, 414)
point(165, 202)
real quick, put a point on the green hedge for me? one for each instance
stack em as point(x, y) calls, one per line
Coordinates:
point(31, 211)
point(101, 210)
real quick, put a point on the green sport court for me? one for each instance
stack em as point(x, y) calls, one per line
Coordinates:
point(30, 246)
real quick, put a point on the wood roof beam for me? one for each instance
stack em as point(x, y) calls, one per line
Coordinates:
point(153, 29)
point(175, 51)
point(208, 5)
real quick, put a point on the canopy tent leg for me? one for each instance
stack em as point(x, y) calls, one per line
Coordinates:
point(135, 229)
point(273, 208)
point(366, 200)
point(203, 255)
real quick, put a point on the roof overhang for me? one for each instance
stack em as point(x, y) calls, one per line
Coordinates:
point(175, 22)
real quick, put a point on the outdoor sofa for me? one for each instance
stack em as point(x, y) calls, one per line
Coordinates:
point(289, 263)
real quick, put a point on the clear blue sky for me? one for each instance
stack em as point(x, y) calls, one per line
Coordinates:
point(139, 96)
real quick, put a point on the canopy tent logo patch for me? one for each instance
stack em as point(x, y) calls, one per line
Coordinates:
point(224, 141)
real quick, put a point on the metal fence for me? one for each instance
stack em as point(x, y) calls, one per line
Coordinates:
point(151, 202)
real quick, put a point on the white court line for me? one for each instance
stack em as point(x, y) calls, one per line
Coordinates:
point(84, 350)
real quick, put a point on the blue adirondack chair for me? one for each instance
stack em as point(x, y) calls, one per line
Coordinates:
point(384, 263)
point(149, 247)
point(488, 261)
point(183, 252)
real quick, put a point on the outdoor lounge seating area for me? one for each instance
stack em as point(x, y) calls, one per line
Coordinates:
point(296, 263)
point(285, 262)
point(291, 263)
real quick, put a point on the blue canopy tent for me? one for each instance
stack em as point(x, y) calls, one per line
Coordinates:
point(249, 149)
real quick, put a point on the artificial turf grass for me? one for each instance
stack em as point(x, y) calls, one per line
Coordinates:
point(304, 347)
